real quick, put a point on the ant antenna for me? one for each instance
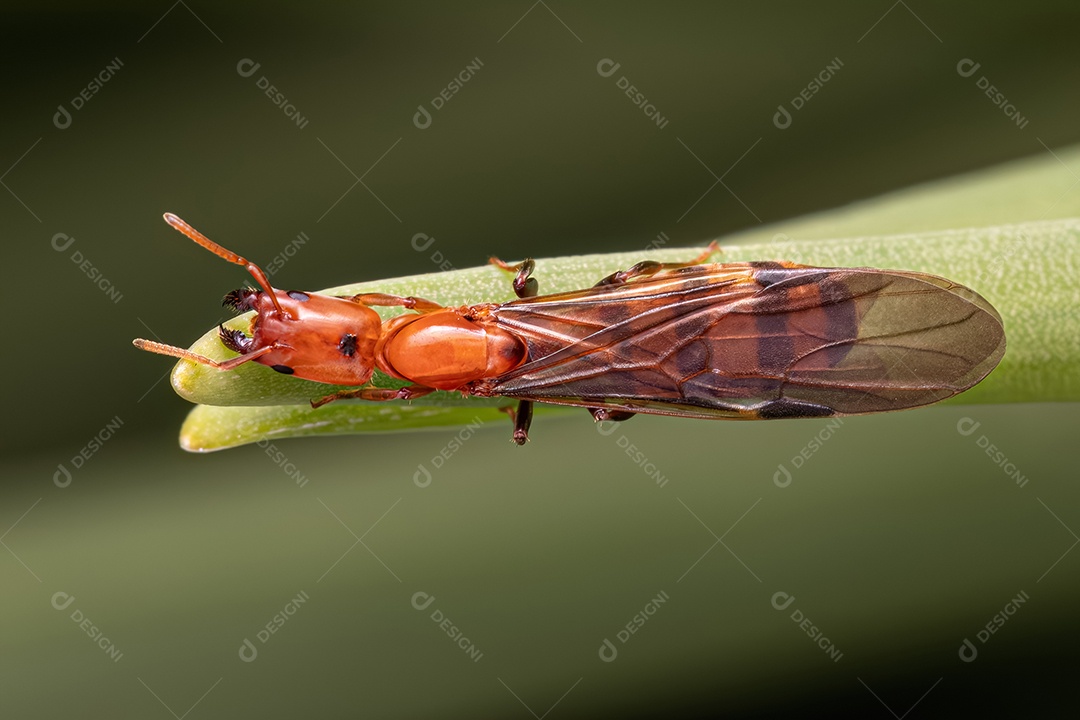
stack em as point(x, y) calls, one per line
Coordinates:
point(255, 270)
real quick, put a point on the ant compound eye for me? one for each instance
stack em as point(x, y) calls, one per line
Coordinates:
point(347, 345)
point(298, 295)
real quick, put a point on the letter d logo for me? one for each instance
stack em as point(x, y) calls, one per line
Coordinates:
point(607, 68)
point(248, 651)
point(61, 242)
point(247, 68)
point(61, 600)
point(422, 118)
point(421, 242)
point(422, 600)
point(782, 477)
point(965, 426)
point(62, 118)
point(782, 600)
point(967, 67)
point(62, 477)
point(782, 118)
point(422, 476)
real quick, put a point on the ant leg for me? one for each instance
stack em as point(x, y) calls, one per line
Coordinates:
point(522, 419)
point(651, 267)
point(710, 250)
point(603, 414)
point(163, 349)
point(525, 286)
point(384, 300)
point(408, 392)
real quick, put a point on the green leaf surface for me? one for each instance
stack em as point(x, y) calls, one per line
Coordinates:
point(1027, 270)
point(212, 427)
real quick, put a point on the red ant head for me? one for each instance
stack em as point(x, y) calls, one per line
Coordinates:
point(316, 337)
point(311, 336)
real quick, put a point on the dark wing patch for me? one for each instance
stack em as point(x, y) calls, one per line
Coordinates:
point(749, 341)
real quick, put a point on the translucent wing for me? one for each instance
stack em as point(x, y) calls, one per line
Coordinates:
point(754, 340)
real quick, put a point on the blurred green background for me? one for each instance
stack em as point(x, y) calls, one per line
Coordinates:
point(134, 576)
